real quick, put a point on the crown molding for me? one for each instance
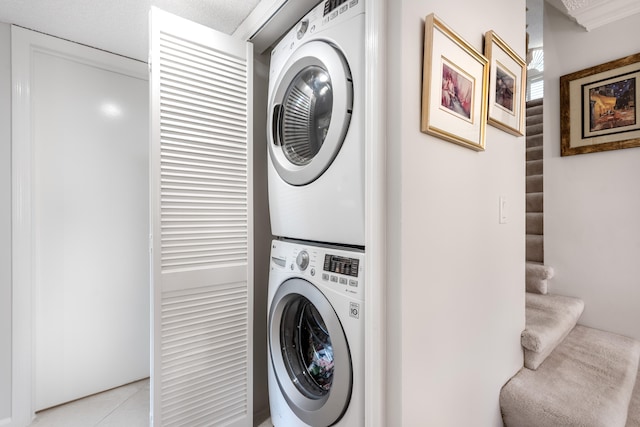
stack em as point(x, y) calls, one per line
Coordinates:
point(591, 14)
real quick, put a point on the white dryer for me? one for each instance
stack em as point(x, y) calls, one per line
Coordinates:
point(316, 335)
point(315, 127)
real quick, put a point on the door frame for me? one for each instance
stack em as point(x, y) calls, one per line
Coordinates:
point(23, 43)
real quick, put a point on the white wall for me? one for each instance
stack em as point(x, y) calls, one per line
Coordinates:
point(592, 201)
point(5, 221)
point(456, 276)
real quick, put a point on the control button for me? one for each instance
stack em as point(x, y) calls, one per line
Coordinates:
point(333, 14)
point(343, 281)
point(303, 28)
point(353, 3)
point(302, 260)
point(334, 278)
point(291, 266)
point(344, 8)
point(353, 282)
point(312, 271)
point(313, 29)
point(325, 276)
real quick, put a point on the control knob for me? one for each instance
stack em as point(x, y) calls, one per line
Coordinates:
point(302, 260)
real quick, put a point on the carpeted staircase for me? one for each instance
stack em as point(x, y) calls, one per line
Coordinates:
point(535, 205)
point(572, 375)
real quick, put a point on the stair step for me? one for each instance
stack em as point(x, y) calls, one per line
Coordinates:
point(535, 248)
point(535, 153)
point(535, 102)
point(535, 223)
point(633, 419)
point(534, 140)
point(549, 319)
point(534, 129)
point(534, 184)
point(536, 277)
point(534, 167)
point(587, 381)
point(534, 118)
point(535, 202)
point(534, 110)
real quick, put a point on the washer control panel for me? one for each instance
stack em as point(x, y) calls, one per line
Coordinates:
point(341, 269)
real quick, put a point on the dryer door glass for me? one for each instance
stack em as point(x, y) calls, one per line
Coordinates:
point(306, 348)
point(306, 116)
point(310, 108)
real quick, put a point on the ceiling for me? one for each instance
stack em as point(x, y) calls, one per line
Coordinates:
point(121, 26)
point(118, 26)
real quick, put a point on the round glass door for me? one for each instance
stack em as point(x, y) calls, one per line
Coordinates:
point(306, 117)
point(306, 348)
point(309, 112)
point(309, 353)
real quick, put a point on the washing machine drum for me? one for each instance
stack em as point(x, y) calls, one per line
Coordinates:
point(309, 353)
point(309, 112)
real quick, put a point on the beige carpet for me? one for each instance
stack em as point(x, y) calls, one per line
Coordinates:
point(633, 420)
point(550, 318)
point(586, 381)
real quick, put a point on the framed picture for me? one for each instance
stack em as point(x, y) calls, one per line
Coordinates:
point(507, 77)
point(454, 87)
point(598, 107)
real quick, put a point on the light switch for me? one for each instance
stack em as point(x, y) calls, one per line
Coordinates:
point(502, 210)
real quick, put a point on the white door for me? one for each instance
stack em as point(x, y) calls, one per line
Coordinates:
point(84, 124)
point(201, 101)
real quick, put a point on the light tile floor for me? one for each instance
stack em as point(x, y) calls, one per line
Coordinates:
point(126, 406)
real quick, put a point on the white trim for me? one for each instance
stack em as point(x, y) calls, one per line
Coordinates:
point(5, 422)
point(21, 170)
point(23, 44)
point(375, 214)
point(259, 16)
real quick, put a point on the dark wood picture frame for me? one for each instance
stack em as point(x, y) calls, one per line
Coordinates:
point(598, 107)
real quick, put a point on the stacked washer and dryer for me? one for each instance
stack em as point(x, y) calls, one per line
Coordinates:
point(316, 203)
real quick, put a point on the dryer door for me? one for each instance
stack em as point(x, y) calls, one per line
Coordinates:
point(309, 353)
point(309, 112)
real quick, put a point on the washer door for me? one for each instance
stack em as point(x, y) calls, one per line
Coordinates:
point(309, 353)
point(309, 112)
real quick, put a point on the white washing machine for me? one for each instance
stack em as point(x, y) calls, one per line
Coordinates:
point(315, 127)
point(316, 335)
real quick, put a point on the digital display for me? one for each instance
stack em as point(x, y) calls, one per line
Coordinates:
point(330, 5)
point(341, 265)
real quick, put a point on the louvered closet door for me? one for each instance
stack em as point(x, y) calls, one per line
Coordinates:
point(201, 215)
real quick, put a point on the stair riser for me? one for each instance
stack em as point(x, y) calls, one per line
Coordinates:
point(535, 167)
point(535, 184)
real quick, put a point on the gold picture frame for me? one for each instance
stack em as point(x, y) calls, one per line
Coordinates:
point(507, 85)
point(598, 107)
point(454, 87)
